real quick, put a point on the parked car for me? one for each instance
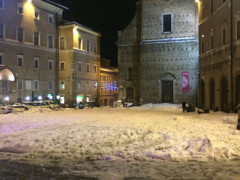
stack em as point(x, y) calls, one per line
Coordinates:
point(51, 104)
point(90, 104)
point(30, 104)
point(4, 109)
point(79, 105)
point(19, 107)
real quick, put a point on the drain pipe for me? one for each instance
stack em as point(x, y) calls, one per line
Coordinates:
point(232, 54)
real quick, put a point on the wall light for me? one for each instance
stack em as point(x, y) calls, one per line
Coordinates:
point(6, 98)
point(27, 98)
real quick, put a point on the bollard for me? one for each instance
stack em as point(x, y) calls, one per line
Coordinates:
point(238, 109)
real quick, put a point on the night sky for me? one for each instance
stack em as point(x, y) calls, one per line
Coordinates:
point(104, 16)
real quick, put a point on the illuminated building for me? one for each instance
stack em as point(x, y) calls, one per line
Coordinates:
point(219, 49)
point(28, 48)
point(158, 53)
point(107, 85)
point(78, 65)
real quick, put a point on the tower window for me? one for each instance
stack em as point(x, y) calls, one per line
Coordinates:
point(167, 23)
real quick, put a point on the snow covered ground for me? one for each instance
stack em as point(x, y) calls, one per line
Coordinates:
point(119, 143)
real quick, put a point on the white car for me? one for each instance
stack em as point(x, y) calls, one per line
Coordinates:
point(51, 104)
point(19, 107)
point(4, 109)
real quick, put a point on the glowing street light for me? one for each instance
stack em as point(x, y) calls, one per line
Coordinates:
point(39, 97)
point(27, 98)
point(6, 98)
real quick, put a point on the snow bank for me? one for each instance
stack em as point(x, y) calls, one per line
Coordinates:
point(148, 132)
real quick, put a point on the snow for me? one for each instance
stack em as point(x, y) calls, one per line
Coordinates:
point(146, 134)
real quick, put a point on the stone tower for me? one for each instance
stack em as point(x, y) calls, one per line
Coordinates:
point(158, 53)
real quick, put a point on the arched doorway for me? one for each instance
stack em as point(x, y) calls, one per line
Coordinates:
point(237, 100)
point(212, 94)
point(224, 95)
point(6, 76)
point(202, 94)
point(167, 87)
point(167, 91)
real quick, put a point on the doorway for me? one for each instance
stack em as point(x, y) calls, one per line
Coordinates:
point(202, 93)
point(224, 95)
point(212, 95)
point(237, 100)
point(167, 91)
point(129, 94)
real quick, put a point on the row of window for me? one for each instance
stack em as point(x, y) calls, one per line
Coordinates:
point(29, 85)
point(62, 45)
point(212, 5)
point(107, 78)
point(224, 37)
point(79, 67)
point(36, 36)
point(36, 63)
point(36, 13)
point(79, 85)
point(210, 8)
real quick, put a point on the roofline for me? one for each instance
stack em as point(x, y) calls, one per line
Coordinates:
point(76, 23)
point(56, 4)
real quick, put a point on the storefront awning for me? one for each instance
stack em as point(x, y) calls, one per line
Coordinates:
point(6, 74)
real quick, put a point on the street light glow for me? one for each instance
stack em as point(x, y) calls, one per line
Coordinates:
point(6, 98)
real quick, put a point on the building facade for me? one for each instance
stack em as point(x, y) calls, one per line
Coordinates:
point(28, 48)
point(107, 85)
point(219, 60)
point(158, 53)
point(79, 64)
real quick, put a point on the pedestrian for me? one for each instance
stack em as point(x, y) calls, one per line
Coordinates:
point(184, 107)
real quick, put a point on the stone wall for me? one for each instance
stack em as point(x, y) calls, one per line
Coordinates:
point(151, 53)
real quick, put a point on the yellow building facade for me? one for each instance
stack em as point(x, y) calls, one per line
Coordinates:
point(79, 63)
point(107, 86)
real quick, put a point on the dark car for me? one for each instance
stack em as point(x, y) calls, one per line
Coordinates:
point(81, 105)
point(90, 104)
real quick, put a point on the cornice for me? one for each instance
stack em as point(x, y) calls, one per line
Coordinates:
point(26, 45)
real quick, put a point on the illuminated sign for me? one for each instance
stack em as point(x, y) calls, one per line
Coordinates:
point(110, 85)
point(50, 96)
point(79, 98)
